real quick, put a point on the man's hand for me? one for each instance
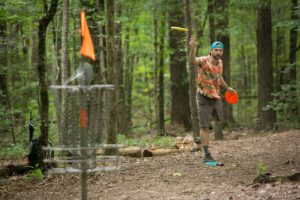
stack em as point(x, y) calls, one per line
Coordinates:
point(192, 42)
point(231, 89)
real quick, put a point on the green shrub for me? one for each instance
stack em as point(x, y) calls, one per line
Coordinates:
point(158, 141)
point(285, 103)
point(13, 151)
point(35, 174)
point(261, 168)
point(164, 141)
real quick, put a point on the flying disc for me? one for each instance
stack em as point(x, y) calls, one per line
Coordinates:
point(179, 29)
point(231, 97)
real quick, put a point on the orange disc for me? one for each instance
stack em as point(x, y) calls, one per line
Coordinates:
point(231, 97)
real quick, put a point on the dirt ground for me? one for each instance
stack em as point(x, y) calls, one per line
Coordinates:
point(182, 176)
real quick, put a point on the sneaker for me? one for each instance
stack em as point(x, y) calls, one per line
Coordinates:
point(208, 158)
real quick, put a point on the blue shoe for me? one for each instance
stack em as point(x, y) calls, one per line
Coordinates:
point(211, 164)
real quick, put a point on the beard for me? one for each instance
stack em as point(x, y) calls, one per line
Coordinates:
point(217, 57)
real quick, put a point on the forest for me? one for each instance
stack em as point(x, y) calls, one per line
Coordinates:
point(98, 79)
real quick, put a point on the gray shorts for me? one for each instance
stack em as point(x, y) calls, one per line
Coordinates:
point(208, 108)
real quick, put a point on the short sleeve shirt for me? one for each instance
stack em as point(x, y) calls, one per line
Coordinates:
point(209, 77)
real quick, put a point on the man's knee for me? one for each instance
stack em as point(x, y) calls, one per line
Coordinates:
point(203, 130)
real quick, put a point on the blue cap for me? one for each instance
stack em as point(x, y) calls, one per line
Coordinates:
point(217, 44)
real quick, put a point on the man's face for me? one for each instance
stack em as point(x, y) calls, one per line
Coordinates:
point(217, 53)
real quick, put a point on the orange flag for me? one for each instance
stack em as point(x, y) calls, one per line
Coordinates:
point(87, 48)
point(83, 118)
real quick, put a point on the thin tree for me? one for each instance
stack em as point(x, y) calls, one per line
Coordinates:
point(280, 59)
point(293, 110)
point(158, 57)
point(222, 34)
point(4, 92)
point(160, 96)
point(65, 69)
point(267, 118)
point(111, 71)
point(122, 126)
point(100, 69)
point(180, 109)
point(43, 84)
point(192, 73)
point(57, 43)
point(128, 78)
point(211, 20)
point(155, 59)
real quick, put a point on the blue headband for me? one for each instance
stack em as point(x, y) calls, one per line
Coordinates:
point(217, 44)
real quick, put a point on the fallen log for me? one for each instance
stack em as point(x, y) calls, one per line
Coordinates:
point(137, 152)
point(268, 178)
point(161, 152)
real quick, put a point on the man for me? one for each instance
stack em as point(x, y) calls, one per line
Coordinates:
point(208, 91)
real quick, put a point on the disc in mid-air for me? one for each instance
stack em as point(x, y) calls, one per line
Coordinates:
point(175, 28)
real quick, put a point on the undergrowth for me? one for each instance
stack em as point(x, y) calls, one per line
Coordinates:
point(35, 174)
point(157, 141)
point(13, 151)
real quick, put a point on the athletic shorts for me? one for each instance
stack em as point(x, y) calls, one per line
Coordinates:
point(208, 108)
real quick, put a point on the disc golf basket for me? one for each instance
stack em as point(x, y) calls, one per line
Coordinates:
point(82, 131)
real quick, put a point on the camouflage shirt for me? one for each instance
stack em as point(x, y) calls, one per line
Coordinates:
point(209, 77)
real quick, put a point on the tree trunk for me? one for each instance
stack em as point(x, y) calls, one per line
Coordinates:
point(3, 64)
point(65, 69)
point(121, 94)
point(57, 41)
point(4, 92)
point(155, 58)
point(293, 109)
point(222, 34)
point(192, 73)
point(218, 129)
point(267, 118)
point(211, 20)
point(128, 78)
point(111, 72)
point(160, 97)
point(280, 59)
point(244, 70)
point(180, 109)
point(293, 41)
point(101, 48)
point(100, 77)
point(43, 85)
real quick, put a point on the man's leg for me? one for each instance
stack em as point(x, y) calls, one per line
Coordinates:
point(204, 135)
point(205, 108)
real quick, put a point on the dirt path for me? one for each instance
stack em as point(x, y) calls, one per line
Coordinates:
point(182, 176)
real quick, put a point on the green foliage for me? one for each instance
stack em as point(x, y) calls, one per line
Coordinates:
point(285, 102)
point(13, 151)
point(163, 141)
point(261, 168)
point(16, 11)
point(157, 141)
point(5, 120)
point(35, 174)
